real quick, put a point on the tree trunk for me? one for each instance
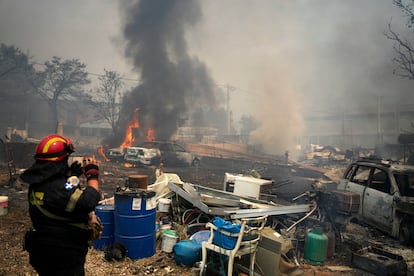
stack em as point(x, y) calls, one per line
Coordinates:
point(53, 116)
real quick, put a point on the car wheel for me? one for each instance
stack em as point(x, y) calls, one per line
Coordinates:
point(196, 162)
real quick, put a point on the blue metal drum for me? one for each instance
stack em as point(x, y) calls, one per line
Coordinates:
point(106, 214)
point(135, 213)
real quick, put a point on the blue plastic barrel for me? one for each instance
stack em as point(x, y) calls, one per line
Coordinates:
point(135, 213)
point(106, 215)
point(187, 252)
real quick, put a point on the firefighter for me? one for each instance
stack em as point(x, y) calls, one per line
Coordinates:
point(61, 211)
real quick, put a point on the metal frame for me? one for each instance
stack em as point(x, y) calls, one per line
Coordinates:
point(234, 212)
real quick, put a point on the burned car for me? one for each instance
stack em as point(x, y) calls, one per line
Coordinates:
point(386, 196)
point(142, 156)
point(115, 154)
point(172, 153)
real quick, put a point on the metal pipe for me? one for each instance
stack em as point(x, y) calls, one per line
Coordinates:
point(315, 206)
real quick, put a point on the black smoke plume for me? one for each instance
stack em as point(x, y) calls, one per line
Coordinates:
point(174, 85)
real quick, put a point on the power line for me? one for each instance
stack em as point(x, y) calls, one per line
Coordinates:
point(94, 74)
point(122, 78)
point(233, 88)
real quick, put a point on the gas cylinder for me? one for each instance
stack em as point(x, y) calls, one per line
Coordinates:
point(316, 244)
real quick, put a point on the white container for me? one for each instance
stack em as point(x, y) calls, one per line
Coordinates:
point(164, 227)
point(164, 205)
point(165, 224)
point(169, 239)
point(249, 186)
point(4, 205)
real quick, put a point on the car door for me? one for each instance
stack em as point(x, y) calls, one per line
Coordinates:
point(377, 201)
point(183, 157)
point(357, 182)
point(167, 154)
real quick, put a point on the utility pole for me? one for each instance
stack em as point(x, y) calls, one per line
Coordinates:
point(343, 128)
point(379, 124)
point(228, 112)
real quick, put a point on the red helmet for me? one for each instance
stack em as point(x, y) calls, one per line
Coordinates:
point(54, 148)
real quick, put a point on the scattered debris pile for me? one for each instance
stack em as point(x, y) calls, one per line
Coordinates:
point(328, 155)
point(181, 208)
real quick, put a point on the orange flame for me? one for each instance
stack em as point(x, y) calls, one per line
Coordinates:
point(129, 137)
point(150, 134)
point(128, 165)
point(101, 152)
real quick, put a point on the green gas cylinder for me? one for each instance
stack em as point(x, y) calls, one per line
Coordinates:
point(316, 244)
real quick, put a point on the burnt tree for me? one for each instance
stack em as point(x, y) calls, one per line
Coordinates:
point(106, 98)
point(61, 79)
point(404, 50)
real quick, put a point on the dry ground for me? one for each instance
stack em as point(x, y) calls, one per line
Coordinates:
point(14, 261)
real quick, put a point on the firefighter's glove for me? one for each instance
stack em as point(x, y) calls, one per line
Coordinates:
point(96, 231)
point(91, 171)
point(95, 227)
point(76, 169)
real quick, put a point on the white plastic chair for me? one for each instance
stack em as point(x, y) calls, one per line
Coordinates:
point(247, 240)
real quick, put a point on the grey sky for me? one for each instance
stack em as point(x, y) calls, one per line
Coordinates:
point(71, 29)
point(280, 55)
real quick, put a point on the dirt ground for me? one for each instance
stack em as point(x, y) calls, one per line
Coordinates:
point(14, 261)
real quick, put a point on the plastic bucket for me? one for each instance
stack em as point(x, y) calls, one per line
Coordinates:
point(135, 213)
point(200, 236)
point(164, 227)
point(169, 239)
point(164, 205)
point(165, 223)
point(4, 205)
point(106, 214)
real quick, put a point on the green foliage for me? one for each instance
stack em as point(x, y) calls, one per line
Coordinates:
point(63, 79)
point(16, 72)
point(12, 60)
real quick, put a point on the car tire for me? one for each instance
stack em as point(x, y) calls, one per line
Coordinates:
point(196, 163)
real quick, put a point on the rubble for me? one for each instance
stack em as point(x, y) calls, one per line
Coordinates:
point(14, 260)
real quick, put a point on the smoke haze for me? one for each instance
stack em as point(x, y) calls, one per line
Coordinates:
point(294, 57)
point(173, 83)
point(284, 58)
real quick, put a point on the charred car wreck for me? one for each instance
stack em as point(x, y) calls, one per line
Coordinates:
point(172, 153)
point(380, 194)
point(142, 156)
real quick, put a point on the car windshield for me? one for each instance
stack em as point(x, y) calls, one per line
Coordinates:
point(149, 145)
point(405, 183)
point(132, 151)
point(179, 148)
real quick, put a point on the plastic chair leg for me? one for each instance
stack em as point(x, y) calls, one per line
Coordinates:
point(230, 266)
point(203, 260)
point(252, 261)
